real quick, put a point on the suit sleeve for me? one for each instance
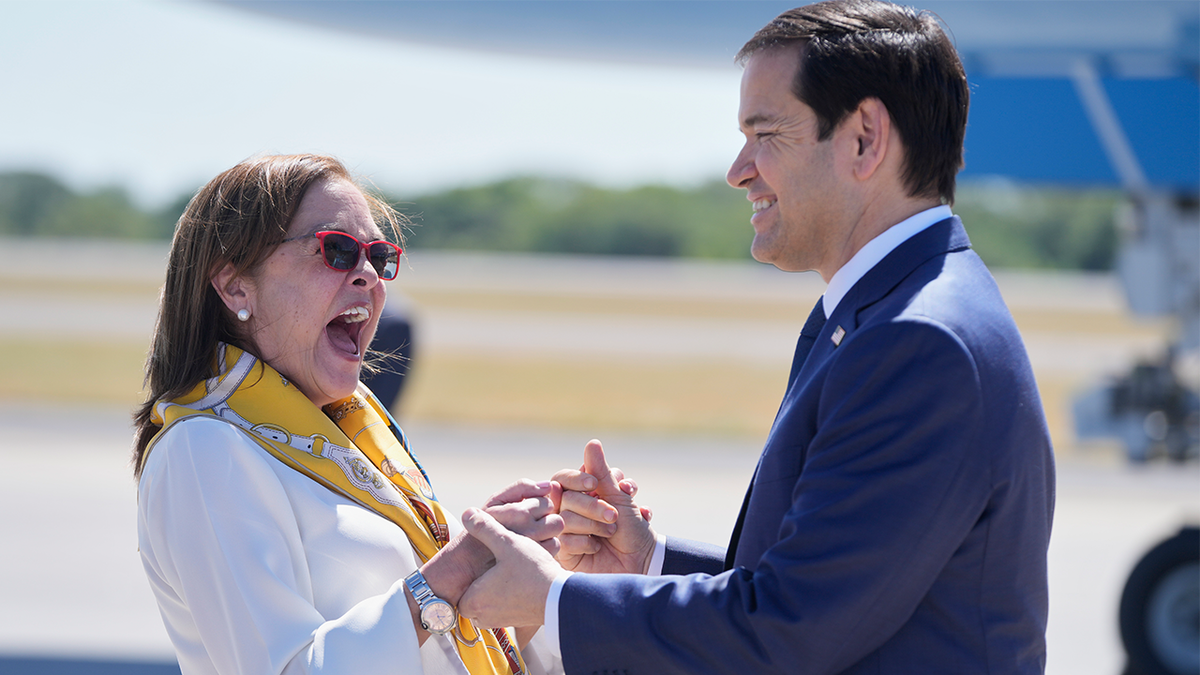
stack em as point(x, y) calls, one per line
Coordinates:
point(894, 478)
point(684, 556)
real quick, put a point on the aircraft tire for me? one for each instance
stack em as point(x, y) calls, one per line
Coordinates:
point(1160, 608)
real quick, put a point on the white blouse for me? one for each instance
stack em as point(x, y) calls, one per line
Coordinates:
point(258, 569)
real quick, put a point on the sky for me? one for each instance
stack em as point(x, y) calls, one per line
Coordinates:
point(158, 97)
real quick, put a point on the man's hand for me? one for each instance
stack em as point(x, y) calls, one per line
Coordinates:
point(513, 592)
point(604, 530)
point(525, 507)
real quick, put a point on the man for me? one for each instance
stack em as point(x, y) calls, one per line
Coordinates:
point(900, 513)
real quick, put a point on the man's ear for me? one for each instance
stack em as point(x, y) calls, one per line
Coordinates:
point(232, 288)
point(872, 127)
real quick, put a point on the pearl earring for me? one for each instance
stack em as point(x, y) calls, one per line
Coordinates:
point(243, 314)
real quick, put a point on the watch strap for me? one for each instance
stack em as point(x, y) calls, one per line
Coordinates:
point(419, 587)
point(424, 596)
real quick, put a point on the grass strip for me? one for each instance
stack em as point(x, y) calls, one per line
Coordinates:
point(606, 394)
point(589, 394)
point(72, 370)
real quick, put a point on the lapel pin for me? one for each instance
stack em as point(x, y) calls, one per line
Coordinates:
point(838, 334)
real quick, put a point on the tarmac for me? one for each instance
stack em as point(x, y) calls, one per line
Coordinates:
point(76, 601)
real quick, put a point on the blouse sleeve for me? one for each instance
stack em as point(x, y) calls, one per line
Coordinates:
point(223, 551)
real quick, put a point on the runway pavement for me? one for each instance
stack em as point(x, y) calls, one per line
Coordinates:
point(72, 587)
point(75, 599)
point(757, 340)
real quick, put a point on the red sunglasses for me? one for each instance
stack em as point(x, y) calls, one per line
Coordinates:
point(341, 253)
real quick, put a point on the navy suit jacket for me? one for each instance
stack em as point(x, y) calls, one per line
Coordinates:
point(899, 516)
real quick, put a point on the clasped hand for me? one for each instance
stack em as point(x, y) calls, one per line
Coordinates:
point(604, 531)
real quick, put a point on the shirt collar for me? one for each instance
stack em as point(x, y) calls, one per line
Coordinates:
point(875, 250)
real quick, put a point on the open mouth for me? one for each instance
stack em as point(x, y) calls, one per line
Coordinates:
point(344, 331)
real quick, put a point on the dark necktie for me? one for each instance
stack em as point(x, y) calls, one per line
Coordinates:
point(808, 337)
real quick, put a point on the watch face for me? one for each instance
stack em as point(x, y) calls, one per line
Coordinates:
point(438, 617)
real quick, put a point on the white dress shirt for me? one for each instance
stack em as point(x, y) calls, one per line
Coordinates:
point(843, 280)
point(875, 250)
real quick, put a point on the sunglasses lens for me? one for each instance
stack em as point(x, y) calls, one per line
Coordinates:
point(385, 259)
point(341, 251)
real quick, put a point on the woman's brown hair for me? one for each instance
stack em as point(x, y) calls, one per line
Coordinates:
point(238, 218)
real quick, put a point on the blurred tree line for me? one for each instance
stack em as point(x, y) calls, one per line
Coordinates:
point(1010, 226)
point(37, 205)
point(532, 214)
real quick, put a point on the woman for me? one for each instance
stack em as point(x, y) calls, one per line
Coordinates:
point(282, 522)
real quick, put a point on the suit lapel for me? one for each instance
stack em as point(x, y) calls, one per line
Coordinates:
point(940, 238)
point(804, 344)
point(937, 239)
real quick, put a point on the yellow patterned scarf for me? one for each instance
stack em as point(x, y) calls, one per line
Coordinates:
point(354, 449)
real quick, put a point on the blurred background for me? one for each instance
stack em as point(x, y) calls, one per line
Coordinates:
point(578, 268)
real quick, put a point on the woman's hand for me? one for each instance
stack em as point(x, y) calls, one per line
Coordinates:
point(530, 509)
point(605, 531)
point(525, 507)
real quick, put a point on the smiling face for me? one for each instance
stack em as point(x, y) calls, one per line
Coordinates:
point(790, 177)
point(307, 321)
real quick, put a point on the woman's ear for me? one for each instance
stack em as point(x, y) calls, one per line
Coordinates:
point(232, 288)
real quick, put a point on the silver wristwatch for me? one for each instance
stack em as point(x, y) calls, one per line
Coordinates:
point(437, 616)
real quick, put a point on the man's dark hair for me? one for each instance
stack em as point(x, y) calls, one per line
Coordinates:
point(857, 49)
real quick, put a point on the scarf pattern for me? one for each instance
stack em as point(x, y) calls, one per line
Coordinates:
point(355, 449)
